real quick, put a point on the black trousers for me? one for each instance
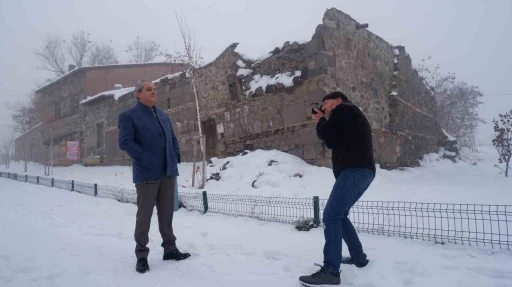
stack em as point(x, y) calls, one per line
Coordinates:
point(160, 192)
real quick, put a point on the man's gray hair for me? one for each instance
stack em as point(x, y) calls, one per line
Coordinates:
point(138, 86)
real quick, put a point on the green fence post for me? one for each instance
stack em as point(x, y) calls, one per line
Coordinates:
point(72, 185)
point(26, 177)
point(205, 201)
point(53, 183)
point(316, 210)
point(95, 189)
point(38, 179)
point(9, 175)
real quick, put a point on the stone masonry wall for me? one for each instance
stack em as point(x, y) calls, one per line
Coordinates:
point(412, 112)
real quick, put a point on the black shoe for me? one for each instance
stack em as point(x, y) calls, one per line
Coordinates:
point(321, 278)
point(142, 265)
point(358, 264)
point(176, 255)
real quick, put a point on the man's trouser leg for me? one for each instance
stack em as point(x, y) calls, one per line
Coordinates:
point(146, 197)
point(165, 210)
point(349, 187)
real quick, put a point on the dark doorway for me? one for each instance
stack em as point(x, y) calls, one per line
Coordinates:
point(210, 131)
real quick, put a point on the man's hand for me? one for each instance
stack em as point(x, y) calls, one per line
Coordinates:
point(318, 115)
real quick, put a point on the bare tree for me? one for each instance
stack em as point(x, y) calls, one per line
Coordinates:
point(6, 147)
point(142, 51)
point(52, 55)
point(457, 103)
point(503, 139)
point(191, 53)
point(79, 47)
point(22, 113)
point(102, 54)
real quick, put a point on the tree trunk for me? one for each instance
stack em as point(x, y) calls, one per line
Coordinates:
point(507, 166)
point(26, 153)
point(194, 163)
point(201, 141)
point(51, 153)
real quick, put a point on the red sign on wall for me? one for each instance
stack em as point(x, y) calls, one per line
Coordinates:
point(73, 151)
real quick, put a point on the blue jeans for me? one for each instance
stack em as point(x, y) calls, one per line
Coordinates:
point(349, 187)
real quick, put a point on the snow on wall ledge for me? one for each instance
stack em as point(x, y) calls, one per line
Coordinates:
point(262, 82)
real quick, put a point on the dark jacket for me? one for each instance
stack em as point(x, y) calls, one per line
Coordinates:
point(146, 134)
point(348, 133)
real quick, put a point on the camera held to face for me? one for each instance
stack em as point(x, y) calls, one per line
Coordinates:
point(320, 108)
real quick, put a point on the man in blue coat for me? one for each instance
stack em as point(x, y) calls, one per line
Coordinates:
point(146, 134)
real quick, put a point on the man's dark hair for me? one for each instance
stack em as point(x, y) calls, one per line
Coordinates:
point(336, 95)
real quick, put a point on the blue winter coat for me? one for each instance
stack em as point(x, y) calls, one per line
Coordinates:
point(154, 153)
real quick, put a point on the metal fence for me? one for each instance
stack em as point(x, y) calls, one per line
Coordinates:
point(473, 224)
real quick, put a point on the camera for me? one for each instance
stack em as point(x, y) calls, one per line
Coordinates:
point(321, 108)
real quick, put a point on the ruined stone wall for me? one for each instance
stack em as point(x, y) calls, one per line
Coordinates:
point(362, 67)
point(213, 81)
point(412, 112)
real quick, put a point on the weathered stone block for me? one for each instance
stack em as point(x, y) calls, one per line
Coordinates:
point(315, 97)
point(311, 65)
point(314, 46)
point(330, 23)
point(294, 114)
point(309, 152)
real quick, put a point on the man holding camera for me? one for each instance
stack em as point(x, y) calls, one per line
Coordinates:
point(342, 127)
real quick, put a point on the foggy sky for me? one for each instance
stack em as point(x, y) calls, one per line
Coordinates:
point(471, 38)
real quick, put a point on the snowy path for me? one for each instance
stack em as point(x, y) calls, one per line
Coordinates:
point(53, 237)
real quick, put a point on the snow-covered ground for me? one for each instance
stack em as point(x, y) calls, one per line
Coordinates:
point(436, 180)
point(51, 237)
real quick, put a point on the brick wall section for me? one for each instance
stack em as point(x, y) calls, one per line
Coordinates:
point(66, 119)
point(97, 81)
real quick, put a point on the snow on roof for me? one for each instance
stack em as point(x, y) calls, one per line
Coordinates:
point(29, 130)
point(100, 67)
point(243, 72)
point(263, 81)
point(117, 93)
point(241, 64)
point(168, 77)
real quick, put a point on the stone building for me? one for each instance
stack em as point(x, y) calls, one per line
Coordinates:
point(266, 103)
point(62, 115)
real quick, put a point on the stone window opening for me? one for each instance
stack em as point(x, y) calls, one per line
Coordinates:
point(178, 127)
point(100, 135)
point(57, 110)
point(233, 93)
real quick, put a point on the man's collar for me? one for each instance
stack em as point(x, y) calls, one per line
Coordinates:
point(141, 105)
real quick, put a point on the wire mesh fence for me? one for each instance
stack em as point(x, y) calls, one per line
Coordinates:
point(46, 181)
point(62, 184)
point(473, 224)
point(85, 188)
point(479, 224)
point(117, 193)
